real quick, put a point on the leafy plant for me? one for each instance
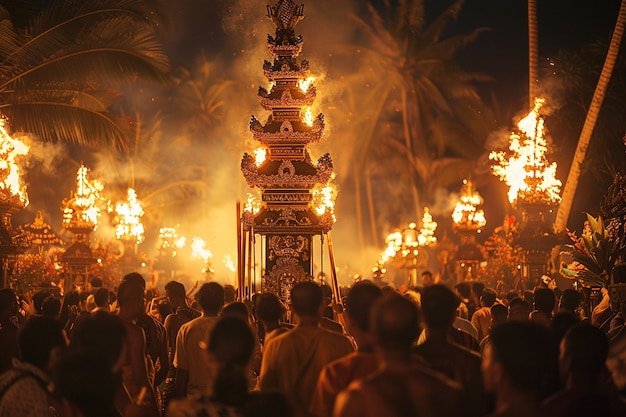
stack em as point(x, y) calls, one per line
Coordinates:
point(594, 253)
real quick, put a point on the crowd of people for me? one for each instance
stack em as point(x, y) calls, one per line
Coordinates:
point(430, 350)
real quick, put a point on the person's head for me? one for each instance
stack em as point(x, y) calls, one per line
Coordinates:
point(427, 278)
point(95, 283)
point(85, 381)
point(488, 298)
point(40, 339)
point(516, 357)
point(175, 293)
point(230, 349)
point(464, 290)
point(9, 305)
point(51, 307)
point(136, 278)
point(328, 293)
point(561, 323)
point(570, 300)
point(477, 289)
point(103, 334)
point(529, 297)
point(101, 297)
point(210, 296)
point(544, 300)
point(395, 322)
point(230, 294)
point(498, 314)
point(237, 308)
point(439, 304)
point(518, 309)
point(307, 299)
point(583, 353)
point(268, 308)
point(359, 304)
point(130, 297)
point(38, 299)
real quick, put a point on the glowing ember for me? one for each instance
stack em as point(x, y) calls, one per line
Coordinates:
point(305, 84)
point(83, 209)
point(427, 232)
point(525, 169)
point(466, 213)
point(308, 117)
point(129, 215)
point(10, 184)
point(324, 198)
point(394, 245)
point(260, 154)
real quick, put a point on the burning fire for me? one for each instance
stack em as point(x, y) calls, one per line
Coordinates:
point(427, 232)
point(199, 250)
point(324, 198)
point(253, 204)
point(306, 83)
point(83, 206)
point(260, 154)
point(466, 213)
point(129, 215)
point(525, 169)
point(10, 183)
point(308, 117)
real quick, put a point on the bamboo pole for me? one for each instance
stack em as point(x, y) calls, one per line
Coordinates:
point(240, 283)
point(250, 248)
point(338, 307)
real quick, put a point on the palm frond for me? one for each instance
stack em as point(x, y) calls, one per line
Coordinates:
point(54, 122)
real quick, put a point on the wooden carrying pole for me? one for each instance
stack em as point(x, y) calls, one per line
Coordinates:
point(240, 266)
point(338, 307)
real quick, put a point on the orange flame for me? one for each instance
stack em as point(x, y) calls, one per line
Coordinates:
point(466, 213)
point(324, 198)
point(525, 169)
point(308, 116)
point(306, 83)
point(82, 209)
point(10, 183)
point(427, 232)
point(129, 215)
point(260, 154)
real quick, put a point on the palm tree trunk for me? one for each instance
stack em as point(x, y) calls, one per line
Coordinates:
point(533, 53)
point(573, 177)
point(359, 209)
point(370, 205)
point(409, 149)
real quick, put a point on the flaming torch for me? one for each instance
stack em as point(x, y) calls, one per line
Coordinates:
point(533, 188)
point(468, 220)
point(129, 213)
point(13, 197)
point(81, 213)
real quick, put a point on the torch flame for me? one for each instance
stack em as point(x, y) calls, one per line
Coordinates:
point(199, 250)
point(308, 117)
point(83, 206)
point(253, 204)
point(525, 169)
point(260, 154)
point(129, 215)
point(427, 232)
point(10, 183)
point(466, 212)
point(305, 84)
point(324, 198)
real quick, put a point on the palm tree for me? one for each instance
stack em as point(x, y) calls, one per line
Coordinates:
point(412, 87)
point(60, 66)
point(573, 177)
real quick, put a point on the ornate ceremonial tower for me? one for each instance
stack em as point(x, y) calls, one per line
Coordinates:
point(296, 202)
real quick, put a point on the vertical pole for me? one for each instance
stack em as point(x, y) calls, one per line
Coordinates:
point(251, 288)
point(240, 267)
point(335, 285)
